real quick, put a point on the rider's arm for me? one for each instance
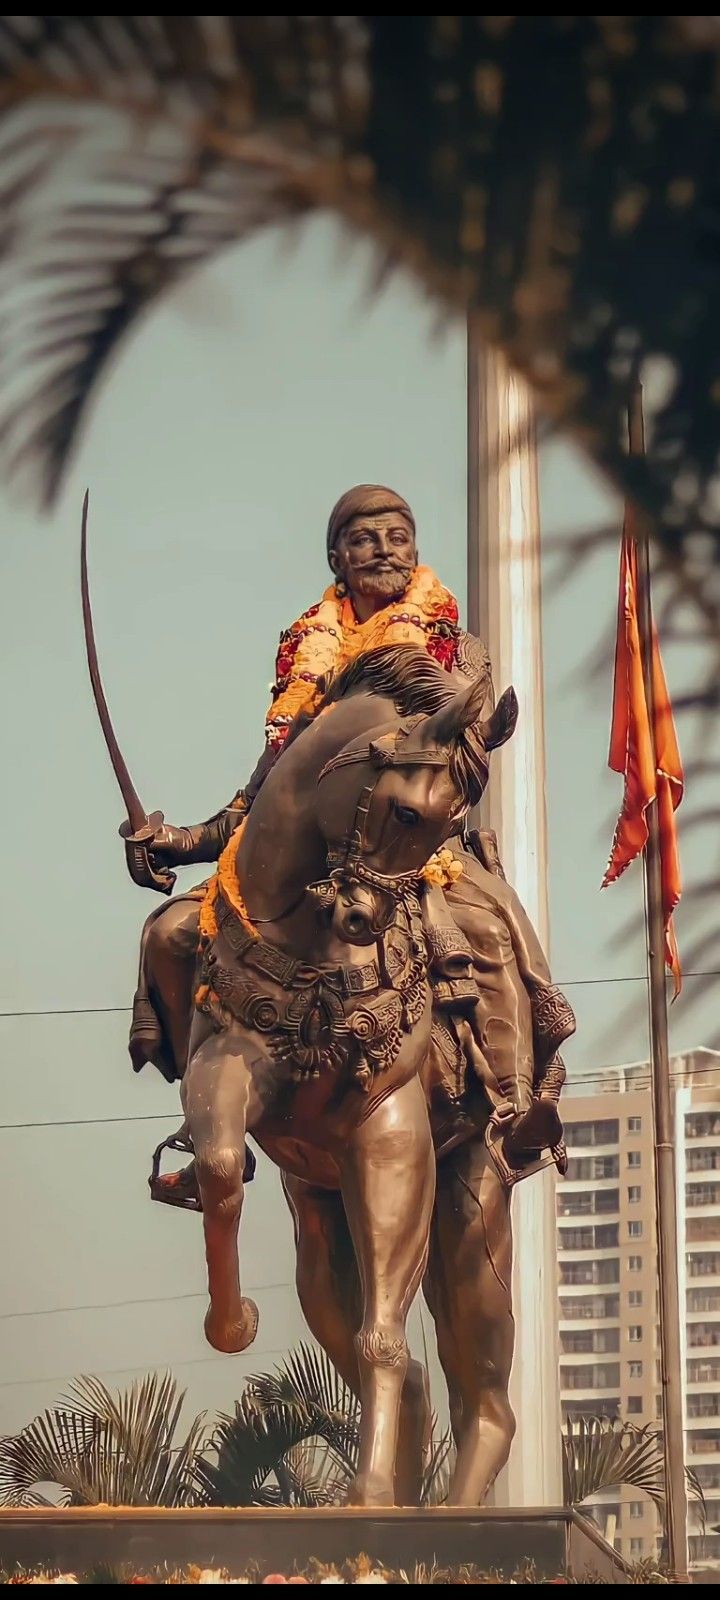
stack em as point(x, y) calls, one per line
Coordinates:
point(206, 841)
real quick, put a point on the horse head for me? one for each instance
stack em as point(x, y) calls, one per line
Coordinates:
point(389, 800)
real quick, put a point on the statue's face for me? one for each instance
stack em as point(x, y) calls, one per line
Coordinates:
point(376, 556)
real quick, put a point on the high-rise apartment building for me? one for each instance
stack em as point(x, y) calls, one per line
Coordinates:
point(607, 1254)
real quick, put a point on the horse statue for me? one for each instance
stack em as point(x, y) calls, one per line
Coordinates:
point(313, 1016)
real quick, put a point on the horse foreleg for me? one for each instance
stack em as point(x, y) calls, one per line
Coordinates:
point(388, 1184)
point(469, 1294)
point(216, 1096)
point(328, 1286)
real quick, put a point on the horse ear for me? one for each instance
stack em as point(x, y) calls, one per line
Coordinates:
point(500, 726)
point(445, 726)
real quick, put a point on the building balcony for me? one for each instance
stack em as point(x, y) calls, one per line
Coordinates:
point(611, 1392)
point(585, 1358)
point(579, 1289)
point(580, 1185)
point(569, 1324)
point(580, 1253)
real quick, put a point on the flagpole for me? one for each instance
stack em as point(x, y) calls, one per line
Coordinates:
point(662, 1104)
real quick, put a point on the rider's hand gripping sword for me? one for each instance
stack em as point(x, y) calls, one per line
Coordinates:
point(140, 829)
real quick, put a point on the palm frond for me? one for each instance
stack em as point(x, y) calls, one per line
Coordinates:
point(308, 1382)
point(105, 1448)
point(252, 1455)
point(604, 1453)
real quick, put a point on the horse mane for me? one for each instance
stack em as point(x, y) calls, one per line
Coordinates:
point(402, 673)
point(417, 685)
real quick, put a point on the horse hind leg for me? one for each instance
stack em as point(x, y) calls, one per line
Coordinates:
point(216, 1094)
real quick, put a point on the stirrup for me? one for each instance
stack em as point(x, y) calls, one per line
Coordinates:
point(181, 1188)
point(175, 1188)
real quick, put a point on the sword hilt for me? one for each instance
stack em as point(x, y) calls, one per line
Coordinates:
point(138, 854)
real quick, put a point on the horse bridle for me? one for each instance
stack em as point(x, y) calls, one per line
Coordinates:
point(345, 860)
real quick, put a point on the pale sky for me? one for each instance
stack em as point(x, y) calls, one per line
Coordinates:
point(234, 417)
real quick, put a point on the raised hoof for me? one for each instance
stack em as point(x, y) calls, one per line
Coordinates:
point(367, 1491)
point(232, 1336)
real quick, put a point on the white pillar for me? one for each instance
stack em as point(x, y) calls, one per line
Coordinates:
point(505, 611)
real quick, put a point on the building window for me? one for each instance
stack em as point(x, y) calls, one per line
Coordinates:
point(635, 1297)
point(635, 1230)
point(634, 1158)
point(702, 1194)
point(701, 1335)
point(634, 1125)
point(635, 1263)
point(588, 1134)
point(703, 1161)
point(702, 1125)
point(634, 1194)
point(635, 1333)
point(634, 1405)
point(705, 1264)
point(636, 1547)
point(705, 1372)
point(703, 1299)
point(607, 1237)
point(635, 1369)
point(636, 1510)
point(703, 1405)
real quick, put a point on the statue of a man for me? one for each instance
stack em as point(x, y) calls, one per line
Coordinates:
point(482, 942)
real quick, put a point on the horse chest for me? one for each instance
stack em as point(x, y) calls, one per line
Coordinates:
point(346, 1020)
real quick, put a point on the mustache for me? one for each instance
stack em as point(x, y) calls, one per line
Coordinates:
point(385, 563)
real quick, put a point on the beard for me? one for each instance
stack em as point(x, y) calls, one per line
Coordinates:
point(389, 585)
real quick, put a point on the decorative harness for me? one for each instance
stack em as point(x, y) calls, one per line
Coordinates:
point(305, 1025)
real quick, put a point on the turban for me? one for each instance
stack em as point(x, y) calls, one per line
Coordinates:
point(366, 500)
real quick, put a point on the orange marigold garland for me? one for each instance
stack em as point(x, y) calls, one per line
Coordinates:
point(225, 878)
point(328, 636)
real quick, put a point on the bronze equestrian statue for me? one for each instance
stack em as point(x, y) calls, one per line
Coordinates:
point(488, 1061)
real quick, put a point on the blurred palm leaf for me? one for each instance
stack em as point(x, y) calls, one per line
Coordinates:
point(131, 147)
point(104, 1449)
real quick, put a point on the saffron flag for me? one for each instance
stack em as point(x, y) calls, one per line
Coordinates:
point(647, 756)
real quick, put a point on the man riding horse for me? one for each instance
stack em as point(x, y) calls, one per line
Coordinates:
point(492, 1076)
point(380, 596)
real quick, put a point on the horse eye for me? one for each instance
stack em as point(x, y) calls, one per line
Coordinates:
point(407, 816)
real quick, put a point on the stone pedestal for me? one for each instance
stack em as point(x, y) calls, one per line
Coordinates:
point(143, 1540)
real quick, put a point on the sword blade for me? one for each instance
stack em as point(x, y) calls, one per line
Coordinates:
point(137, 815)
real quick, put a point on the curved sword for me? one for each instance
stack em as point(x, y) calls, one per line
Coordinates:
point(140, 829)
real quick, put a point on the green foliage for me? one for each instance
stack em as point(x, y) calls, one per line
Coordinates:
point(605, 1453)
point(98, 1448)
